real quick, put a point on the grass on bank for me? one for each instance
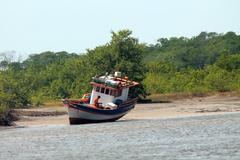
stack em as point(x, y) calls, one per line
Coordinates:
point(177, 96)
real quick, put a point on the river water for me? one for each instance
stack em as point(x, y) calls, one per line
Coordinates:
point(203, 137)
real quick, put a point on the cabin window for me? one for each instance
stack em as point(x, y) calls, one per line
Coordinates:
point(107, 91)
point(119, 93)
point(102, 90)
point(111, 92)
point(97, 89)
point(114, 93)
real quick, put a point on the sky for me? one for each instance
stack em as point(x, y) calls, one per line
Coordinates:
point(34, 26)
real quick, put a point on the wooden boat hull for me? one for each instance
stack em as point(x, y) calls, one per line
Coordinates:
point(73, 121)
point(82, 114)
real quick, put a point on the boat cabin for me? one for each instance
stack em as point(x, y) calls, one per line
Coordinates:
point(111, 89)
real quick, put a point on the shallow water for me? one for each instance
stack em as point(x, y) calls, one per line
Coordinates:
point(206, 137)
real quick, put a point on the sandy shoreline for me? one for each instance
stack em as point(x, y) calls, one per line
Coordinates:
point(180, 108)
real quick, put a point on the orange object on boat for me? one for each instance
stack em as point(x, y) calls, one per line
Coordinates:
point(85, 98)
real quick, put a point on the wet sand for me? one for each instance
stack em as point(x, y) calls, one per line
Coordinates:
point(211, 105)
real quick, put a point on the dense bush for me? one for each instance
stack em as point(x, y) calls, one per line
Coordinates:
point(211, 78)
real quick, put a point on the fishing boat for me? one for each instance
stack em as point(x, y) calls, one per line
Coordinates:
point(114, 102)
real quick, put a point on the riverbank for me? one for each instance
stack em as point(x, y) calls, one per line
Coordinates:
point(196, 106)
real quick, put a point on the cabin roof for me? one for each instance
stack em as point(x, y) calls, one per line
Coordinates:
point(121, 84)
point(103, 85)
